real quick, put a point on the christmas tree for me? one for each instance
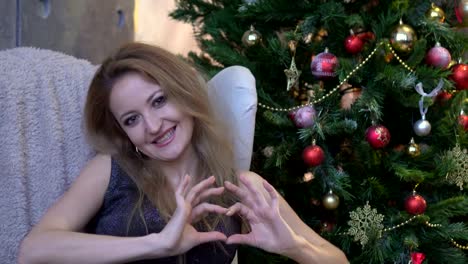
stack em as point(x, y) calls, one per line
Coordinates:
point(362, 119)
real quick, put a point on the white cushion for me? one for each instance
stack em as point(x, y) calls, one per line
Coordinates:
point(233, 94)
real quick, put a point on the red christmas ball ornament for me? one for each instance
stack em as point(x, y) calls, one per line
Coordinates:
point(438, 56)
point(327, 226)
point(353, 44)
point(378, 136)
point(443, 97)
point(323, 66)
point(415, 204)
point(417, 257)
point(366, 36)
point(460, 76)
point(463, 121)
point(313, 155)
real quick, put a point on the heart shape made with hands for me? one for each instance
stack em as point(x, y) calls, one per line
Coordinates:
point(258, 206)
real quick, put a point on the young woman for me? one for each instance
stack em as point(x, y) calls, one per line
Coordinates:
point(163, 188)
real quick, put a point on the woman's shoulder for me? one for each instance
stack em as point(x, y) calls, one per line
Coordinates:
point(250, 176)
point(109, 167)
point(98, 165)
point(100, 159)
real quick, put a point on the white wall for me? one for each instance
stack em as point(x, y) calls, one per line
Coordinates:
point(154, 26)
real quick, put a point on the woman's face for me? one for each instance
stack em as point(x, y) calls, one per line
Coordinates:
point(151, 121)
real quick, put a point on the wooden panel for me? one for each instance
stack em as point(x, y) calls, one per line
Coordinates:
point(86, 29)
point(7, 24)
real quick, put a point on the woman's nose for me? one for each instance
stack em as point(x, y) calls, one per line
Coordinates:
point(153, 124)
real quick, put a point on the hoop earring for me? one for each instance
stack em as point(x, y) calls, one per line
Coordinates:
point(138, 153)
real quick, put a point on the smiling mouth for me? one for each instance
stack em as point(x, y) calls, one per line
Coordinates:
point(166, 138)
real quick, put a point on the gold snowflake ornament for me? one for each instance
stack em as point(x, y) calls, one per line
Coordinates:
point(365, 222)
point(459, 174)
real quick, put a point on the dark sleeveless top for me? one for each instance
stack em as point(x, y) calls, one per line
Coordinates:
point(112, 219)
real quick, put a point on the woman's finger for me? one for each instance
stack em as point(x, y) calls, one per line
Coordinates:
point(274, 202)
point(243, 211)
point(234, 189)
point(205, 237)
point(201, 210)
point(176, 224)
point(243, 195)
point(183, 185)
point(207, 193)
point(246, 239)
point(195, 190)
point(257, 195)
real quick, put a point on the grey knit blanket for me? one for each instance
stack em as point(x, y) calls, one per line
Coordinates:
point(42, 147)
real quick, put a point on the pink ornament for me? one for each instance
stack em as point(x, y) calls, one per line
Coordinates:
point(304, 117)
point(438, 56)
point(323, 66)
point(378, 136)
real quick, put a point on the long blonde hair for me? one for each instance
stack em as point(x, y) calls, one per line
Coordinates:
point(187, 90)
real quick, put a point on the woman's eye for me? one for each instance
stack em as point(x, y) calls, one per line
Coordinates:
point(131, 120)
point(159, 101)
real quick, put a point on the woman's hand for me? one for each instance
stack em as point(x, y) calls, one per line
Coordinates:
point(269, 231)
point(179, 236)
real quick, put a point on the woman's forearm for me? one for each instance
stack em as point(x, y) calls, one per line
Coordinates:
point(322, 249)
point(73, 247)
point(307, 253)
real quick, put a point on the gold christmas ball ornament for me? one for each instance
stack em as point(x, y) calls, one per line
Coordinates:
point(403, 38)
point(321, 35)
point(251, 37)
point(413, 149)
point(330, 201)
point(435, 13)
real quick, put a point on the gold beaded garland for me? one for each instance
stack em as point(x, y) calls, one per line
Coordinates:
point(458, 245)
point(401, 224)
point(337, 88)
point(427, 223)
